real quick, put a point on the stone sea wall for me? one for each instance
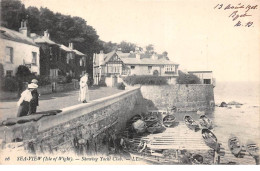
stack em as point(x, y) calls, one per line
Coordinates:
point(89, 128)
point(192, 97)
point(81, 128)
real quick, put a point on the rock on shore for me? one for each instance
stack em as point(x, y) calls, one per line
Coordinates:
point(234, 103)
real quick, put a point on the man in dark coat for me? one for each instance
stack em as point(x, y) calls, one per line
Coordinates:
point(35, 99)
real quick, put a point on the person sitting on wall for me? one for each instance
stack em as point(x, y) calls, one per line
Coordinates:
point(83, 91)
point(24, 101)
point(35, 98)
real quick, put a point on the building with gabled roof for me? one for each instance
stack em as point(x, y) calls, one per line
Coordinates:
point(59, 60)
point(16, 48)
point(117, 63)
point(49, 54)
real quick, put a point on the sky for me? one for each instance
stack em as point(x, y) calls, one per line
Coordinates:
point(194, 33)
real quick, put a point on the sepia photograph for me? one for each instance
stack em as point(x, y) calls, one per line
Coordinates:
point(129, 82)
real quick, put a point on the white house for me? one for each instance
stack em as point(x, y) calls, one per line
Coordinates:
point(16, 48)
point(117, 63)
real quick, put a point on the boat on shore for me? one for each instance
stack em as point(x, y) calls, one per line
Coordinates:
point(205, 122)
point(197, 159)
point(236, 147)
point(210, 139)
point(155, 128)
point(151, 120)
point(252, 148)
point(191, 123)
point(169, 120)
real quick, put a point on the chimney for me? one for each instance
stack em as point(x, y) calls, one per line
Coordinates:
point(23, 29)
point(138, 56)
point(47, 34)
point(101, 57)
point(33, 35)
point(71, 45)
point(155, 56)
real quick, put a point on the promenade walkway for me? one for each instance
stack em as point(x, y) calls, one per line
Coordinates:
point(8, 109)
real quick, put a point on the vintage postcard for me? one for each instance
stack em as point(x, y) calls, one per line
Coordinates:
point(130, 82)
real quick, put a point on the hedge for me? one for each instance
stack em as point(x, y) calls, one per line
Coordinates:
point(9, 84)
point(187, 79)
point(145, 80)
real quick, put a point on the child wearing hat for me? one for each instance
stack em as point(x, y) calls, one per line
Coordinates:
point(35, 98)
point(25, 99)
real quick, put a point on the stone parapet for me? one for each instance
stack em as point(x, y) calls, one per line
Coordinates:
point(191, 97)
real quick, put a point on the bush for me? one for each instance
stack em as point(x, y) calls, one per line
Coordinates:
point(9, 84)
point(120, 86)
point(145, 80)
point(43, 80)
point(102, 84)
point(68, 79)
point(187, 79)
point(23, 72)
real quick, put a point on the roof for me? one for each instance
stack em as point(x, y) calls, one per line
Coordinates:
point(199, 71)
point(130, 59)
point(65, 48)
point(108, 56)
point(43, 39)
point(147, 61)
point(8, 34)
point(78, 53)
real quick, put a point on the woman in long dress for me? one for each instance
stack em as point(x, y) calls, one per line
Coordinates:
point(24, 101)
point(83, 91)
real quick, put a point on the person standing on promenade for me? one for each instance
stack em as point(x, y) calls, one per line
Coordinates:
point(83, 91)
point(24, 101)
point(35, 98)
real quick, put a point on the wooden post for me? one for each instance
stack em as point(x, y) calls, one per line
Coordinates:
point(218, 159)
point(215, 157)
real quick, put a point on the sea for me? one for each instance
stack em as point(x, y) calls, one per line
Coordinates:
point(244, 121)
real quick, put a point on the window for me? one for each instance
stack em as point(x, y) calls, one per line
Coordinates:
point(169, 68)
point(149, 69)
point(51, 51)
point(34, 58)
point(81, 62)
point(9, 73)
point(207, 81)
point(54, 72)
point(9, 54)
point(68, 58)
point(132, 67)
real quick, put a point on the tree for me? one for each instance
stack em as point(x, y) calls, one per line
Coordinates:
point(108, 46)
point(33, 20)
point(126, 47)
point(12, 13)
point(150, 48)
point(187, 78)
point(165, 54)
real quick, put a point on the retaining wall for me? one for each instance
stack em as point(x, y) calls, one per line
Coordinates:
point(190, 97)
point(83, 127)
point(47, 89)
